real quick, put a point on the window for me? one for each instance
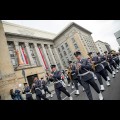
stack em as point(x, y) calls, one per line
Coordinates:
point(62, 47)
point(35, 61)
point(72, 58)
point(69, 50)
point(64, 53)
point(76, 46)
point(32, 53)
point(58, 49)
point(13, 61)
point(12, 54)
point(61, 55)
point(66, 44)
point(73, 40)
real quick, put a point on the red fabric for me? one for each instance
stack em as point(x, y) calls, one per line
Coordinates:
point(43, 58)
point(26, 60)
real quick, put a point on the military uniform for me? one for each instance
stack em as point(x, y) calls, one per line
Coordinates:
point(37, 87)
point(28, 93)
point(87, 77)
point(111, 62)
point(58, 83)
point(105, 64)
point(45, 87)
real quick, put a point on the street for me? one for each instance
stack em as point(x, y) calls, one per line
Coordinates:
point(111, 93)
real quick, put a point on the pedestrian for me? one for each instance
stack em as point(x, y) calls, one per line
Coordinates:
point(86, 77)
point(37, 88)
point(27, 91)
point(45, 87)
point(56, 78)
point(18, 94)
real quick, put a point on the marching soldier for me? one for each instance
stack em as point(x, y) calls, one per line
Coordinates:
point(27, 91)
point(111, 62)
point(106, 65)
point(86, 76)
point(116, 59)
point(99, 70)
point(59, 85)
point(74, 77)
point(45, 87)
point(37, 87)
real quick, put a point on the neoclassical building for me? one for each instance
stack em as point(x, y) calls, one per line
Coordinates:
point(38, 51)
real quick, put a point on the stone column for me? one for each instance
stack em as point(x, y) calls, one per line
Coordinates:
point(29, 54)
point(6, 66)
point(38, 55)
point(44, 51)
point(51, 53)
point(58, 58)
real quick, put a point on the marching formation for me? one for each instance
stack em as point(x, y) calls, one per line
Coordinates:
point(84, 72)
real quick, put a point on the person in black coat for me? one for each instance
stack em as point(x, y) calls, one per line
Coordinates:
point(45, 87)
point(37, 88)
point(27, 91)
point(86, 77)
point(59, 85)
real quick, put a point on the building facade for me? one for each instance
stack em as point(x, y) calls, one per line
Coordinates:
point(117, 35)
point(71, 39)
point(103, 46)
point(38, 51)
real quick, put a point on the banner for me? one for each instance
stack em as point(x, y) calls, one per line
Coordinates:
point(25, 56)
point(43, 59)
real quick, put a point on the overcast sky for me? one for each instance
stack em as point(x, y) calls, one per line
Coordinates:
point(102, 29)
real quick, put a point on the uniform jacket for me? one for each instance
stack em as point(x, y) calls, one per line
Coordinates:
point(85, 67)
point(98, 66)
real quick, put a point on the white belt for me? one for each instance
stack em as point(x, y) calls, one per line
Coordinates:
point(73, 74)
point(58, 81)
point(28, 93)
point(84, 73)
point(37, 89)
point(103, 61)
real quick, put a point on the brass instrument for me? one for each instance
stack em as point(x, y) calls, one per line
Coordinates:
point(93, 65)
point(69, 73)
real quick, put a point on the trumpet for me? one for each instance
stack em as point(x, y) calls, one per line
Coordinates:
point(93, 65)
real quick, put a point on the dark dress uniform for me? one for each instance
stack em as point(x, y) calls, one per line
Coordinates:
point(87, 78)
point(38, 90)
point(116, 59)
point(74, 76)
point(99, 69)
point(111, 62)
point(105, 64)
point(56, 79)
point(44, 86)
point(28, 93)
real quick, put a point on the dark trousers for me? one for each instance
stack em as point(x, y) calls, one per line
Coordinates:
point(76, 81)
point(108, 69)
point(87, 87)
point(29, 98)
point(117, 62)
point(39, 96)
point(113, 65)
point(99, 78)
point(59, 90)
point(46, 90)
point(68, 79)
point(103, 74)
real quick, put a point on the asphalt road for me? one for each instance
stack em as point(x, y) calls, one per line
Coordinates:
point(111, 93)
